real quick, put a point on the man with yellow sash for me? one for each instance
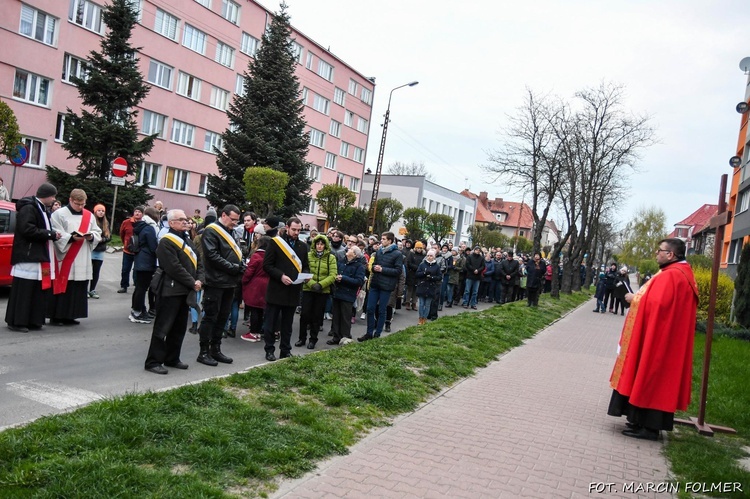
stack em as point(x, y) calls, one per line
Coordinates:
point(182, 274)
point(653, 372)
point(222, 259)
point(285, 258)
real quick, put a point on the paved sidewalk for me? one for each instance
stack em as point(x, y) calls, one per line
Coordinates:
point(532, 424)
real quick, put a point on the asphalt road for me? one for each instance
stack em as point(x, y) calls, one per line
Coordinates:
point(60, 368)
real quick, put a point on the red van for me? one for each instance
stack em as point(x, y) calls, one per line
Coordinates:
point(7, 228)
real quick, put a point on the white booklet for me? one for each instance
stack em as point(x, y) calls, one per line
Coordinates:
point(302, 278)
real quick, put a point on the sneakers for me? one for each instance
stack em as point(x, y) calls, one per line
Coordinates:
point(137, 318)
point(328, 316)
point(363, 316)
point(250, 337)
point(93, 294)
point(122, 290)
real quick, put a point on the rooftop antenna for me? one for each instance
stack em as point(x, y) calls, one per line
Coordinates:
point(745, 65)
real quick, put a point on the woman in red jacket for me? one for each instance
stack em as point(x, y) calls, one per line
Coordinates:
point(254, 284)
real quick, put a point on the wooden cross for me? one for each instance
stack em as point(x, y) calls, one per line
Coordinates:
point(717, 222)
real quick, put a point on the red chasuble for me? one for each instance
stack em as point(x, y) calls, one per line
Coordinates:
point(655, 364)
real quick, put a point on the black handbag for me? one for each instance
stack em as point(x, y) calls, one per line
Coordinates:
point(157, 281)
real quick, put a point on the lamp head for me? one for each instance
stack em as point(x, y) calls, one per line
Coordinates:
point(413, 83)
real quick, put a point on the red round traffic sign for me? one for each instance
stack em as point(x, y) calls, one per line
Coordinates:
point(119, 167)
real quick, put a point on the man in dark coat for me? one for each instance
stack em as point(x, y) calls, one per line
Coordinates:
point(474, 268)
point(182, 274)
point(222, 258)
point(30, 258)
point(387, 266)
point(285, 258)
point(510, 272)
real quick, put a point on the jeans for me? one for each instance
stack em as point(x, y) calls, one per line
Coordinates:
point(498, 291)
point(193, 311)
point(377, 303)
point(424, 306)
point(470, 294)
point(127, 266)
point(444, 294)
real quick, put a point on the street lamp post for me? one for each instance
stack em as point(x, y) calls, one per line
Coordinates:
point(379, 167)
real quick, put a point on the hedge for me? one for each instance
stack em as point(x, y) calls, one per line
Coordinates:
point(724, 292)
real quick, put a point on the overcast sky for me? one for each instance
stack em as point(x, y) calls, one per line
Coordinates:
point(678, 59)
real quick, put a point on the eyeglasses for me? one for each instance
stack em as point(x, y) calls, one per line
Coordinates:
point(660, 250)
point(183, 220)
point(235, 220)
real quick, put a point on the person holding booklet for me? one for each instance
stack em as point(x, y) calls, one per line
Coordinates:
point(285, 259)
point(79, 235)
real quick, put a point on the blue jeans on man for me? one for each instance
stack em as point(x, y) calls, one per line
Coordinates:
point(127, 267)
point(377, 303)
point(470, 294)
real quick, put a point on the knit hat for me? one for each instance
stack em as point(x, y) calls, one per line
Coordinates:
point(97, 205)
point(624, 269)
point(211, 213)
point(418, 244)
point(259, 229)
point(46, 190)
point(274, 222)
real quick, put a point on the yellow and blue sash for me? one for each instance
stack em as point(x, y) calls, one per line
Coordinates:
point(229, 239)
point(289, 252)
point(184, 246)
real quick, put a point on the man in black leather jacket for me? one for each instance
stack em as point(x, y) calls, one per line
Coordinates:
point(222, 259)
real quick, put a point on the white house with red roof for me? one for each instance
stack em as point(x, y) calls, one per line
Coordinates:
point(696, 224)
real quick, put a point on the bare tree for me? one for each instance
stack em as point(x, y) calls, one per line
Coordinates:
point(528, 159)
point(413, 168)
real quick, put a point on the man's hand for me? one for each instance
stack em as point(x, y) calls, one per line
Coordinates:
point(377, 268)
point(76, 237)
point(629, 297)
point(197, 285)
point(286, 280)
point(89, 237)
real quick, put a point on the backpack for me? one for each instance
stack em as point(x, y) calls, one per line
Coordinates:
point(134, 245)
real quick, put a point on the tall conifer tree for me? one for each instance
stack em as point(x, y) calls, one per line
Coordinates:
point(266, 127)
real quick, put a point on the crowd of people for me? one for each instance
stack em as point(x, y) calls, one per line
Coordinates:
point(196, 274)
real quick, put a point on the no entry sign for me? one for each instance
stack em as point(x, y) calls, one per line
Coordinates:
point(119, 167)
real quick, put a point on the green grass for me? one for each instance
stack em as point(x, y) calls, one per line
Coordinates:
point(711, 460)
point(239, 435)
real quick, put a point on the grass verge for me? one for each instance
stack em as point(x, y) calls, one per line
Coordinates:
point(715, 460)
point(239, 435)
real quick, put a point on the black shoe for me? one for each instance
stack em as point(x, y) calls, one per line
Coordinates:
point(231, 333)
point(633, 426)
point(220, 357)
point(311, 345)
point(300, 343)
point(449, 306)
point(157, 369)
point(387, 328)
point(330, 333)
point(642, 433)
point(285, 356)
point(270, 357)
point(473, 307)
point(364, 338)
point(177, 365)
point(18, 329)
point(122, 290)
point(332, 342)
point(205, 358)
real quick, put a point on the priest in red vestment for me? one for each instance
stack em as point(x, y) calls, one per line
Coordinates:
point(653, 372)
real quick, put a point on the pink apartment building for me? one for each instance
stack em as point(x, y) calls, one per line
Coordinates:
point(193, 53)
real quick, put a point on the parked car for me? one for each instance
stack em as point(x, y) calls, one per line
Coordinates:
point(7, 227)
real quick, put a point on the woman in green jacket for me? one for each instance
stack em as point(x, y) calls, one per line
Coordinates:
point(315, 292)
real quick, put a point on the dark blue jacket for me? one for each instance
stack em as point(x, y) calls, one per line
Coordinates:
point(489, 270)
point(145, 260)
point(352, 278)
point(392, 262)
point(428, 278)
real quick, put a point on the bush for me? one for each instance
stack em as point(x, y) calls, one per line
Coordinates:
point(724, 292)
point(700, 262)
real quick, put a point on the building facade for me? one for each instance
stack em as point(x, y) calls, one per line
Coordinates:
point(194, 54)
point(415, 191)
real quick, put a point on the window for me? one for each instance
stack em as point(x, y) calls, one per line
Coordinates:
point(314, 172)
point(359, 155)
point(153, 123)
point(735, 250)
point(348, 118)
point(230, 11)
point(363, 125)
point(335, 129)
point(160, 74)
point(203, 185)
point(182, 133)
point(321, 104)
point(73, 66)
point(224, 54)
point(31, 88)
point(86, 14)
point(366, 95)
point(249, 45)
point(189, 86)
point(205, 3)
point(137, 7)
point(219, 98)
point(338, 96)
point(743, 204)
point(344, 150)
point(35, 148)
point(297, 50)
point(176, 179)
point(239, 86)
point(148, 174)
point(166, 24)
point(304, 95)
point(312, 207)
point(60, 128)
point(38, 25)
point(194, 39)
point(330, 161)
point(354, 184)
point(325, 70)
point(317, 138)
point(340, 179)
point(309, 62)
point(353, 87)
point(213, 142)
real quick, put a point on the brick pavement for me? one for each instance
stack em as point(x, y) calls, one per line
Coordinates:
point(532, 424)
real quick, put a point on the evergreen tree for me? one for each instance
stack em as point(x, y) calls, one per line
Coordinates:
point(742, 288)
point(111, 90)
point(266, 127)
